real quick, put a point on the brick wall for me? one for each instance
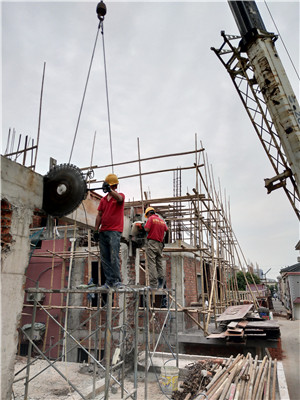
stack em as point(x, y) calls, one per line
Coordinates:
point(190, 281)
point(276, 353)
point(6, 216)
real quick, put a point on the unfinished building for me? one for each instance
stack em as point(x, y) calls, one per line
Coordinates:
point(66, 316)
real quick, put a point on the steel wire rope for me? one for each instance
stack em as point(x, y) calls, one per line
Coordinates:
point(84, 92)
point(282, 40)
point(107, 98)
point(106, 90)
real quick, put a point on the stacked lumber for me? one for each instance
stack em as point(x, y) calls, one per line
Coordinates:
point(238, 330)
point(267, 328)
point(240, 378)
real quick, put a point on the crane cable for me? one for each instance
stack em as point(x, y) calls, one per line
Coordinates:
point(106, 88)
point(282, 40)
point(84, 93)
point(107, 99)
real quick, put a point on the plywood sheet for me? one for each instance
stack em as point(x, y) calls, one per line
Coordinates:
point(235, 312)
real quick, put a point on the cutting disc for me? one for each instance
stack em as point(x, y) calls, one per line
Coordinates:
point(64, 189)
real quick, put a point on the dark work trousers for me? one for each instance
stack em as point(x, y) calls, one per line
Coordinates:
point(109, 242)
point(154, 259)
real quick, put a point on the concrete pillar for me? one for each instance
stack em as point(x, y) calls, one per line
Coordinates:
point(22, 190)
point(124, 259)
point(177, 276)
point(75, 299)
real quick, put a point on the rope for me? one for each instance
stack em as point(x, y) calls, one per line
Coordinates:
point(282, 40)
point(84, 93)
point(107, 99)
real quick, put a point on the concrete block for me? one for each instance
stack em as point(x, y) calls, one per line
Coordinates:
point(20, 185)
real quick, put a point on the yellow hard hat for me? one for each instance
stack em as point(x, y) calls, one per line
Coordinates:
point(147, 210)
point(112, 179)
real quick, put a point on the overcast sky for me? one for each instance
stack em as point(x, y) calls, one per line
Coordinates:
point(165, 85)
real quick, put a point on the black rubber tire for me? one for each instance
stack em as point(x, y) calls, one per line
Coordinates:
point(68, 177)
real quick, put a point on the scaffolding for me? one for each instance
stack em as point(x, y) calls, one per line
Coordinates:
point(117, 328)
point(200, 227)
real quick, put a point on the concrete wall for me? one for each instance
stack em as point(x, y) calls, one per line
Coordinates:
point(21, 191)
point(177, 280)
point(294, 284)
point(85, 214)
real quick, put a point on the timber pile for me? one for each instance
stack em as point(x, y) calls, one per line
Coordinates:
point(240, 330)
point(240, 378)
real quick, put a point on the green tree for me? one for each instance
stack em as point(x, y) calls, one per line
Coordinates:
point(241, 281)
point(254, 280)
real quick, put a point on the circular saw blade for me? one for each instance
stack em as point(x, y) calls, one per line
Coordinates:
point(64, 189)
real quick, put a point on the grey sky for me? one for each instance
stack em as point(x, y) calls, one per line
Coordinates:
point(165, 85)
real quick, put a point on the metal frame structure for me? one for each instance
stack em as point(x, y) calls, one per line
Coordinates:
point(114, 332)
point(29, 148)
point(242, 75)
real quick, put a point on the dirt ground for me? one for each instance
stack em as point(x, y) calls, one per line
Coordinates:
point(49, 385)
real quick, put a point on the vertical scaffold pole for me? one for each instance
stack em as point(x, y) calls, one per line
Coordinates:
point(136, 340)
point(146, 302)
point(108, 343)
point(96, 344)
point(176, 325)
point(30, 343)
point(123, 344)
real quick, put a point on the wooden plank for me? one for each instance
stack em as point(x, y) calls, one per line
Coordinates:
point(242, 324)
point(265, 324)
point(236, 330)
point(232, 325)
point(235, 312)
point(220, 335)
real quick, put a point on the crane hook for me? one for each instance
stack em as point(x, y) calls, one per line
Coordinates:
point(101, 10)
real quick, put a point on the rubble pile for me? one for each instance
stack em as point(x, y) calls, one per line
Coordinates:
point(236, 378)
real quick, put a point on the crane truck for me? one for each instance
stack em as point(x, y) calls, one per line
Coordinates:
point(267, 95)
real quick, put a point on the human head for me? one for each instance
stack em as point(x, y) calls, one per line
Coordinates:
point(112, 180)
point(149, 211)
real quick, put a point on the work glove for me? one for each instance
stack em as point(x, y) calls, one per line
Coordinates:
point(106, 187)
point(96, 236)
point(140, 226)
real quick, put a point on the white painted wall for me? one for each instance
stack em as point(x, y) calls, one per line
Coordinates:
point(23, 189)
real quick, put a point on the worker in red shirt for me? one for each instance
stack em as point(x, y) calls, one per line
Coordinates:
point(110, 219)
point(156, 228)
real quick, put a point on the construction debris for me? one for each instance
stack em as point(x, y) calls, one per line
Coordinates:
point(236, 378)
point(234, 312)
point(245, 324)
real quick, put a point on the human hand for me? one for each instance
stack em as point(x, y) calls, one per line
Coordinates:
point(106, 187)
point(96, 236)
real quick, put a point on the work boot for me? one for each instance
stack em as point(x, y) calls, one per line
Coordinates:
point(118, 285)
point(160, 283)
point(105, 286)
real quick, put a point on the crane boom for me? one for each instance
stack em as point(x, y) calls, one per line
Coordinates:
point(256, 62)
point(271, 78)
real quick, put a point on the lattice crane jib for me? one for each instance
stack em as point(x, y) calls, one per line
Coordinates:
point(267, 95)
